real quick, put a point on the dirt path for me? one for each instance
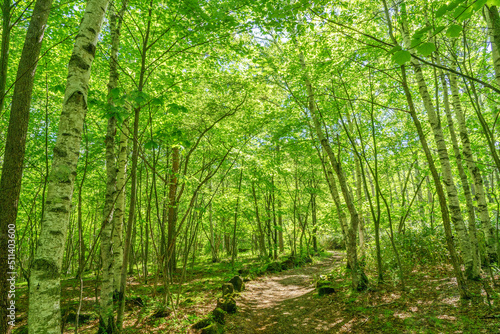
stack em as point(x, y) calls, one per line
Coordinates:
point(284, 303)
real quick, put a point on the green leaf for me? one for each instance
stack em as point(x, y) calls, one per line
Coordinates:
point(416, 40)
point(438, 30)
point(395, 49)
point(478, 4)
point(151, 144)
point(493, 3)
point(454, 4)
point(462, 13)
point(441, 11)
point(401, 57)
point(423, 30)
point(454, 31)
point(175, 108)
point(426, 49)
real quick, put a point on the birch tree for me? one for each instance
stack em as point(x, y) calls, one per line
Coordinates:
point(45, 286)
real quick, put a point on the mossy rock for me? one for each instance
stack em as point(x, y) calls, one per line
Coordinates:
point(213, 328)
point(227, 304)
point(326, 290)
point(219, 315)
point(325, 287)
point(238, 283)
point(227, 289)
point(202, 323)
point(273, 267)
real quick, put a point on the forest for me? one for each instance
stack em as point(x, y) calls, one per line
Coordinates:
point(235, 166)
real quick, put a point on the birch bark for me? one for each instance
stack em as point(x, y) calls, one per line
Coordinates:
point(482, 206)
point(45, 286)
point(107, 323)
point(465, 183)
point(451, 190)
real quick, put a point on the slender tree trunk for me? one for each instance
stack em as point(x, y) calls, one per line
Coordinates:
point(462, 286)
point(45, 287)
point(454, 203)
point(474, 274)
point(482, 206)
point(15, 146)
point(4, 58)
point(107, 323)
point(493, 20)
point(359, 280)
point(172, 211)
point(213, 248)
point(262, 242)
point(119, 209)
point(234, 252)
point(280, 224)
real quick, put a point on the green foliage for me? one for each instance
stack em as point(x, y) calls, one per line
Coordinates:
point(401, 57)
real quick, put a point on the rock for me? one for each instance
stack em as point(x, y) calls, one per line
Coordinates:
point(213, 328)
point(227, 304)
point(219, 314)
point(325, 287)
point(227, 289)
point(326, 290)
point(162, 313)
point(238, 284)
point(273, 267)
point(202, 323)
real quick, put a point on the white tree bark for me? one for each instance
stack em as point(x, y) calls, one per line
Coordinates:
point(120, 208)
point(451, 190)
point(106, 302)
point(482, 206)
point(465, 183)
point(45, 286)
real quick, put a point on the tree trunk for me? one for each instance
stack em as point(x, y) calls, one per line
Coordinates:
point(359, 281)
point(4, 59)
point(107, 323)
point(482, 206)
point(119, 213)
point(475, 274)
point(172, 211)
point(45, 286)
point(462, 287)
point(454, 203)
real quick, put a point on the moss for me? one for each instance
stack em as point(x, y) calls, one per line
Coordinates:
point(213, 328)
point(219, 315)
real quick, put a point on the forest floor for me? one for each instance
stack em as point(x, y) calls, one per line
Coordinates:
point(287, 303)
